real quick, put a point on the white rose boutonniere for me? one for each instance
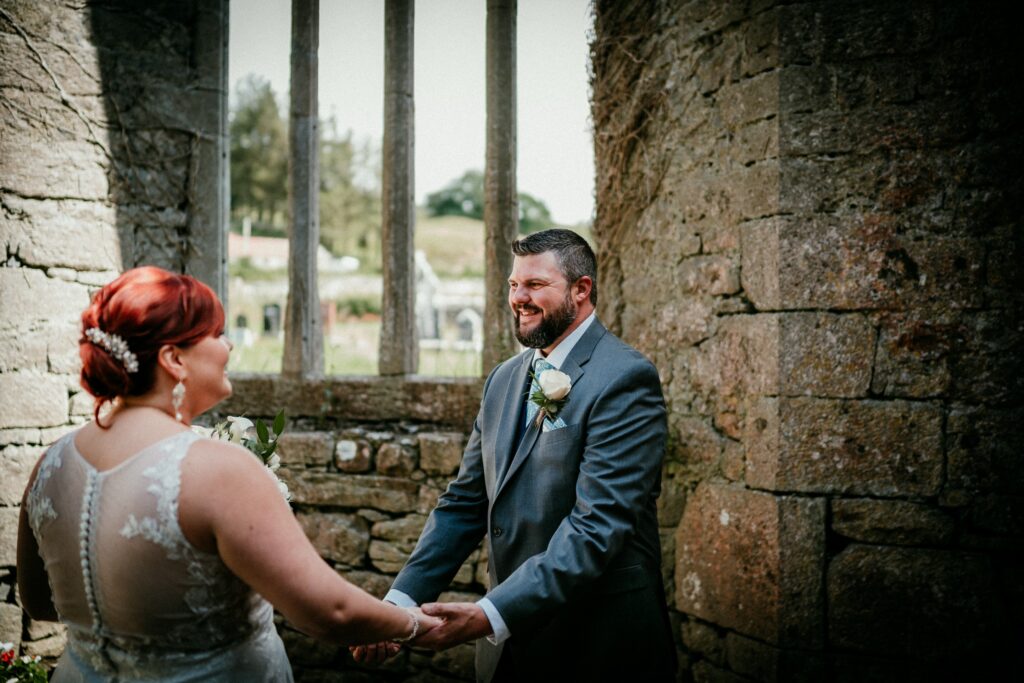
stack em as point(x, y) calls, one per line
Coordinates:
point(553, 392)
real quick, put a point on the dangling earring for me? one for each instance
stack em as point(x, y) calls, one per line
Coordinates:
point(177, 398)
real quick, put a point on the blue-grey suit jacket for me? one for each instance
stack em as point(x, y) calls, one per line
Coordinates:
point(570, 517)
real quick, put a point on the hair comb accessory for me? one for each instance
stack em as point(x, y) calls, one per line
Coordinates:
point(115, 346)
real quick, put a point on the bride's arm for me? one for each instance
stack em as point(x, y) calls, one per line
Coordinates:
point(33, 585)
point(229, 505)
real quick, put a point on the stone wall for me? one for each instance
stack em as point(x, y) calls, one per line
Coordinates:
point(808, 216)
point(105, 142)
point(365, 460)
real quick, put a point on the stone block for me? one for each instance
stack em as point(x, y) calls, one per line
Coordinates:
point(374, 583)
point(16, 463)
point(459, 661)
point(825, 354)
point(395, 460)
point(751, 562)
point(353, 456)
point(67, 233)
point(22, 351)
point(10, 624)
point(912, 359)
point(911, 602)
point(759, 262)
point(694, 443)
point(19, 437)
point(748, 100)
point(893, 522)
point(50, 647)
point(859, 261)
point(406, 529)
point(704, 640)
point(985, 367)
point(995, 513)
point(879, 448)
point(32, 399)
point(441, 453)
point(390, 556)
point(298, 449)
point(733, 461)
point(325, 488)
point(984, 447)
point(338, 537)
point(715, 275)
point(37, 630)
point(741, 359)
point(762, 662)
point(31, 300)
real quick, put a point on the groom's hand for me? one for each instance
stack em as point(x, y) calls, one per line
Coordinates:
point(462, 622)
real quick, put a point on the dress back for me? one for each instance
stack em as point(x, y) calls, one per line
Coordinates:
point(140, 601)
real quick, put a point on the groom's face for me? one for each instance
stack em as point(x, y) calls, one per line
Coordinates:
point(541, 300)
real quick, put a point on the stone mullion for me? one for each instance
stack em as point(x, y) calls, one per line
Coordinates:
point(303, 337)
point(501, 210)
point(398, 345)
point(208, 193)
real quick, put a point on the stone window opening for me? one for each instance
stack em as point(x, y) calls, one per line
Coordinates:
point(302, 322)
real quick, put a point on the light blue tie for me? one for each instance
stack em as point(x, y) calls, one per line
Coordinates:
point(539, 366)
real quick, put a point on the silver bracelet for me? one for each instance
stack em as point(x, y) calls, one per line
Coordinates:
point(415, 628)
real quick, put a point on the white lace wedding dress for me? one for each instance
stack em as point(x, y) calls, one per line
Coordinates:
point(140, 602)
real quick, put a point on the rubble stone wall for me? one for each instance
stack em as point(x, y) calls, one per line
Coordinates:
point(808, 215)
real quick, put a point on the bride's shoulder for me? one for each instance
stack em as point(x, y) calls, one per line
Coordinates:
point(210, 453)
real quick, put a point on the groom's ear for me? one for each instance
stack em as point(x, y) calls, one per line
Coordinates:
point(581, 288)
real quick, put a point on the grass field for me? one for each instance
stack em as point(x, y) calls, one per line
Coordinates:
point(353, 351)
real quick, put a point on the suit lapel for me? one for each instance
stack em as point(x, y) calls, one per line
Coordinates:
point(573, 366)
point(511, 414)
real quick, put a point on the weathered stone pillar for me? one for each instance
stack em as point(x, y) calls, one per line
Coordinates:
point(209, 177)
point(399, 350)
point(303, 334)
point(501, 207)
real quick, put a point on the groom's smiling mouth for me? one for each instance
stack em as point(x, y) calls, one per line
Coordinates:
point(525, 313)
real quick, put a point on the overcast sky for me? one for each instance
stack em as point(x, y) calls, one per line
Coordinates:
point(555, 161)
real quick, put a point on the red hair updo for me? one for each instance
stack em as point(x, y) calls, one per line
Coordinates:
point(147, 307)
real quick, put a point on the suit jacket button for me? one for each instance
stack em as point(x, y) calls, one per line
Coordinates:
point(496, 531)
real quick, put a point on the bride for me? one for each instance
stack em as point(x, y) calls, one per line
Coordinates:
point(158, 548)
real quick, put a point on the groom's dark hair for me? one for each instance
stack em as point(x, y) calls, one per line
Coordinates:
point(574, 255)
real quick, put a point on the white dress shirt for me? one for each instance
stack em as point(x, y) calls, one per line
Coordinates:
point(556, 358)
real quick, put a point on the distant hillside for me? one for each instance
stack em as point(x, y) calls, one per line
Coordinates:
point(454, 245)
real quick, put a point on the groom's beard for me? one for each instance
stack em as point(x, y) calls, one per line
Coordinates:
point(551, 325)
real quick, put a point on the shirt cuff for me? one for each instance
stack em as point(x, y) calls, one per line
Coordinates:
point(399, 598)
point(501, 632)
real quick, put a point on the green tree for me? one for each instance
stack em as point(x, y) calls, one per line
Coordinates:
point(259, 154)
point(350, 210)
point(464, 196)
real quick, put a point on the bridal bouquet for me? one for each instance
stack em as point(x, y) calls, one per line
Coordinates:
point(15, 669)
point(257, 437)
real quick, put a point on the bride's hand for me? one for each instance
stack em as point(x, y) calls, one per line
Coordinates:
point(427, 622)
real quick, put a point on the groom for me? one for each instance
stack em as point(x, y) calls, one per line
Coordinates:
point(567, 501)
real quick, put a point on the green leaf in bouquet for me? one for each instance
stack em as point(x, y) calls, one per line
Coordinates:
point(262, 432)
point(279, 423)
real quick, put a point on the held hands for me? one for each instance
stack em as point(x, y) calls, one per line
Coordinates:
point(460, 623)
point(442, 625)
point(376, 653)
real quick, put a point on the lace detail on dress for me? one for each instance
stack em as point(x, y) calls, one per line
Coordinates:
point(40, 507)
